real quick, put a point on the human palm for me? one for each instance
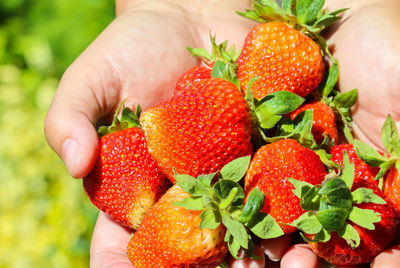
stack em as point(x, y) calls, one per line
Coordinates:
point(141, 54)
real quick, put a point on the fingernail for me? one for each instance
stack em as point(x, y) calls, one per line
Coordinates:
point(70, 154)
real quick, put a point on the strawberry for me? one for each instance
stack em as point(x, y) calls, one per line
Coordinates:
point(270, 167)
point(387, 163)
point(195, 223)
point(348, 219)
point(278, 50)
point(362, 169)
point(199, 130)
point(192, 75)
point(219, 52)
point(170, 236)
point(283, 58)
point(324, 122)
point(391, 187)
point(125, 180)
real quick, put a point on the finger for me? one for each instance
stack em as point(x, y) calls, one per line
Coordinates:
point(87, 91)
point(109, 243)
point(247, 262)
point(275, 248)
point(300, 256)
point(387, 259)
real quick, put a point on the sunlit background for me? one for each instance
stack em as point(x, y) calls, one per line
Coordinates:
point(45, 218)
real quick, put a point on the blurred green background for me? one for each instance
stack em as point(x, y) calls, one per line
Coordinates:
point(45, 218)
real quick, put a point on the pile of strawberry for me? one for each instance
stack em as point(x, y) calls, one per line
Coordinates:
point(271, 115)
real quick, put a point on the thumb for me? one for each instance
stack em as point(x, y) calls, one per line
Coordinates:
point(69, 124)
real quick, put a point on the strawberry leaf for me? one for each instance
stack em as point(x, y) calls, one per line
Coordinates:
point(322, 236)
point(346, 99)
point(348, 171)
point(190, 185)
point(224, 71)
point(390, 136)
point(200, 52)
point(333, 76)
point(210, 219)
point(223, 188)
point(237, 230)
point(368, 154)
point(366, 195)
point(335, 194)
point(307, 10)
point(253, 205)
point(270, 109)
point(233, 244)
point(351, 236)
point(308, 223)
point(326, 159)
point(300, 186)
point(206, 179)
point(264, 226)
point(384, 167)
point(364, 217)
point(236, 169)
point(186, 182)
point(288, 6)
point(332, 219)
point(190, 203)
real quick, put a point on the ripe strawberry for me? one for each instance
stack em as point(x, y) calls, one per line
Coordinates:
point(324, 122)
point(281, 49)
point(391, 187)
point(372, 241)
point(199, 130)
point(269, 169)
point(219, 52)
point(388, 163)
point(170, 236)
point(125, 181)
point(283, 58)
point(195, 223)
point(348, 220)
point(362, 169)
point(192, 75)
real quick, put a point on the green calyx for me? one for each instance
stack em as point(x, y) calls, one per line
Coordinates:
point(128, 119)
point(307, 16)
point(331, 207)
point(391, 142)
point(341, 103)
point(219, 52)
point(222, 203)
point(224, 58)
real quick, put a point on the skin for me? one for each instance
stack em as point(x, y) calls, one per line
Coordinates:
point(129, 60)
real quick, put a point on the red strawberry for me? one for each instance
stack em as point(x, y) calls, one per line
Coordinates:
point(324, 122)
point(197, 229)
point(199, 130)
point(219, 52)
point(283, 58)
point(391, 187)
point(388, 163)
point(170, 236)
point(269, 169)
point(372, 242)
point(125, 181)
point(194, 74)
point(362, 170)
point(281, 49)
point(348, 220)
